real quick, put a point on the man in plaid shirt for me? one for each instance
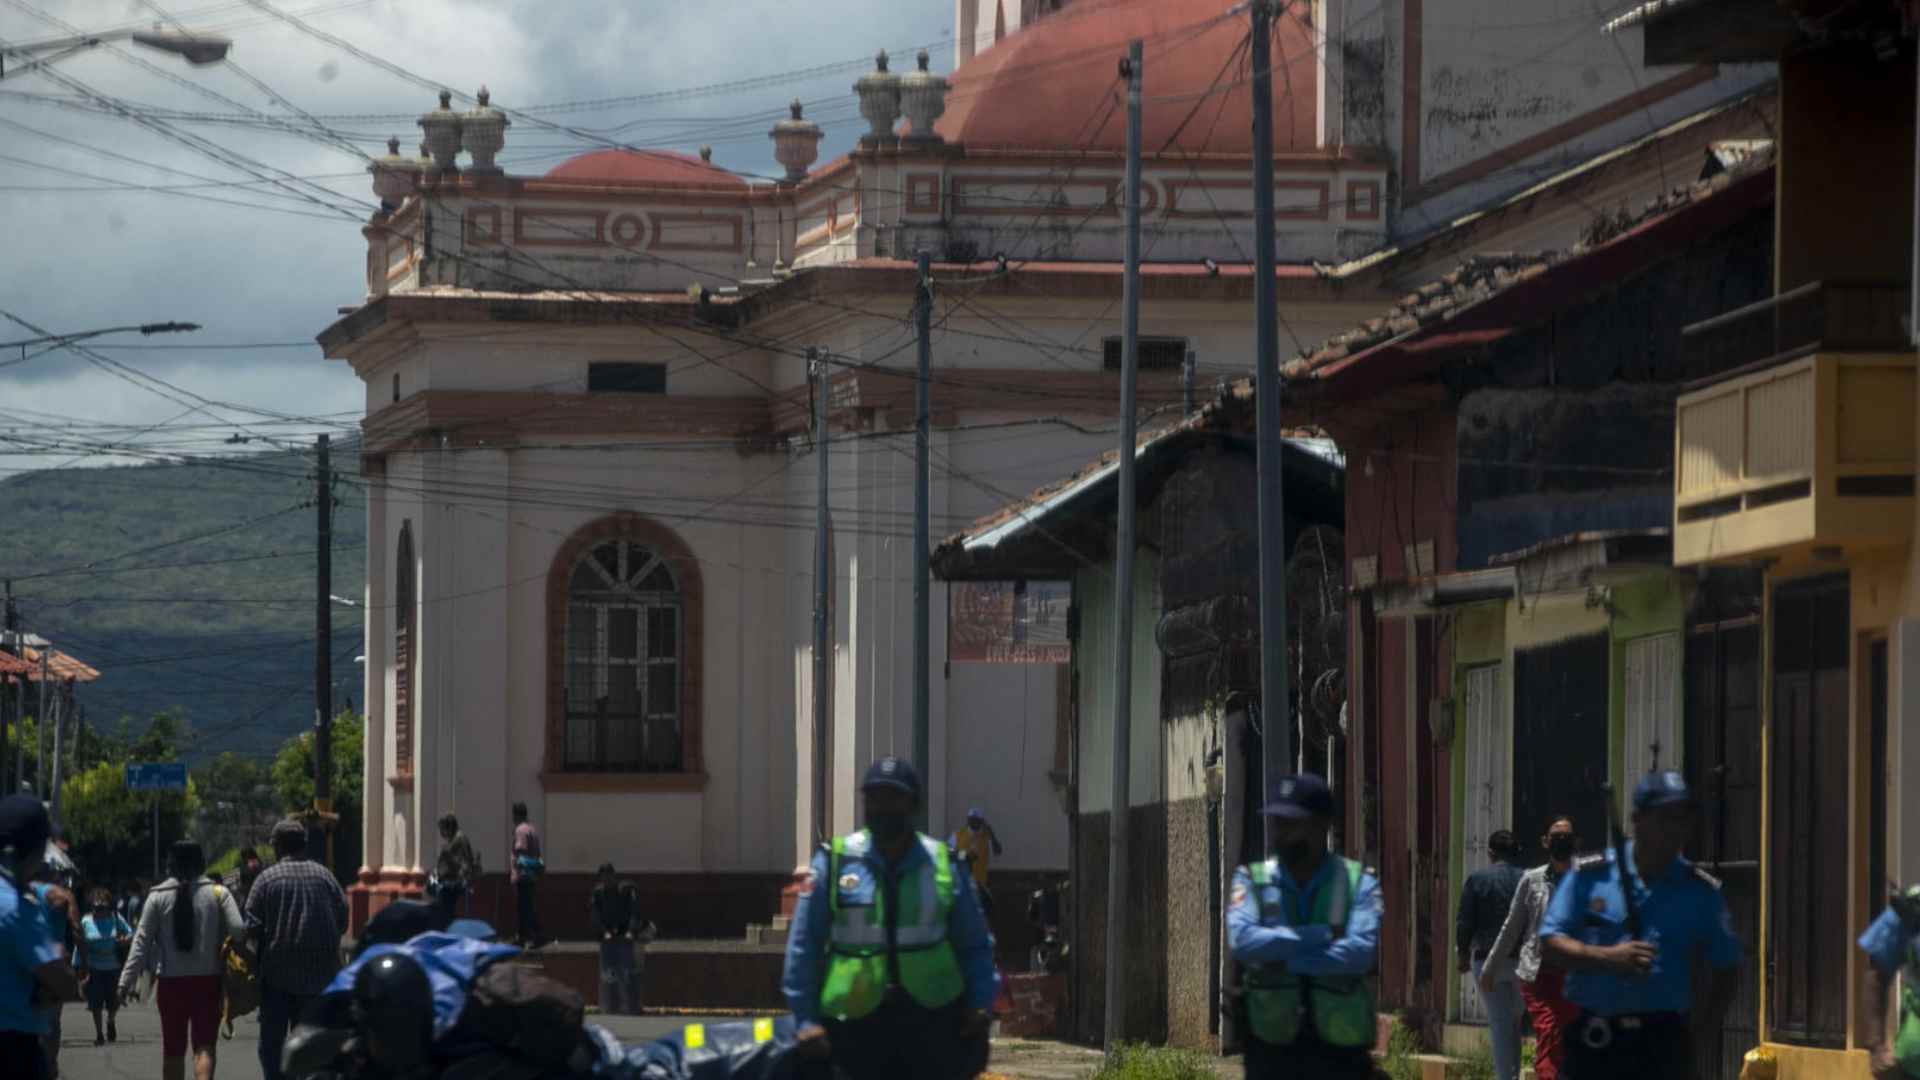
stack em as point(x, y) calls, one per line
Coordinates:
point(296, 914)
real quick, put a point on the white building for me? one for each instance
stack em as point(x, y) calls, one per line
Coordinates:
point(591, 484)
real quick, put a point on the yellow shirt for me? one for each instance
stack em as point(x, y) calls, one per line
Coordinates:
point(979, 847)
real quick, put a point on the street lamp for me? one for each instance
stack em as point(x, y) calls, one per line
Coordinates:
point(196, 49)
point(68, 339)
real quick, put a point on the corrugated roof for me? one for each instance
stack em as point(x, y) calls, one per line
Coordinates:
point(1483, 277)
point(59, 665)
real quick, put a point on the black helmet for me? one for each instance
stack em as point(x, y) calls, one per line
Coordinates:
point(393, 1008)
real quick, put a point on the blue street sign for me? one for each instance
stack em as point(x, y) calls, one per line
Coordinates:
point(157, 776)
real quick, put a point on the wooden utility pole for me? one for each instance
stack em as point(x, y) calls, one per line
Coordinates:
point(1117, 821)
point(1275, 725)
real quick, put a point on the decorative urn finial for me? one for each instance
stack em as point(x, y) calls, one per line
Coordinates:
point(394, 177)
point(796, 143)
point(483, 131)
point(923, 96)
point(879, 92)
point(442, 130)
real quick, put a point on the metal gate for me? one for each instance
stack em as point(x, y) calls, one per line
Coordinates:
point(1487, 742)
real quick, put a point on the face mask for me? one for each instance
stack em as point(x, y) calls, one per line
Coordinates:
point(1561, 846)
point(889, 828)
point(1298, 851)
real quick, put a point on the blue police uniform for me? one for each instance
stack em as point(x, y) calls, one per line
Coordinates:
point(901, 1038)
point(1638, 1026)
point(1274, 932)
point(1892, 945)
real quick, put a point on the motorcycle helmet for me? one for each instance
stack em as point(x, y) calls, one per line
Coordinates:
point(393, 1009)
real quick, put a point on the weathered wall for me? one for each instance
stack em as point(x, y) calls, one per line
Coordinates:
point(1846, 194)
point(1147, 914)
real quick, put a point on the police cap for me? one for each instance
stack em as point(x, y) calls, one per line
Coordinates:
point(1300, 796)
point(892, 772)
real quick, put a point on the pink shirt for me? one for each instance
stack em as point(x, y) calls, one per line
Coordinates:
point(526, 841)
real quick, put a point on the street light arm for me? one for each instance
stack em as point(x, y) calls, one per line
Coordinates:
point(196, 49)
point(67, 339)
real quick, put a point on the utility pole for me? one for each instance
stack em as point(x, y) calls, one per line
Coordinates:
point(323, 651)
point(1117, 892)
point(822, 597)
point(40, 731)
point(1275, 732)
point(10, 721)
point(922, 542)
point(59, 716)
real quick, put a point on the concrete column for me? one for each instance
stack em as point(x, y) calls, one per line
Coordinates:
point(377, 619)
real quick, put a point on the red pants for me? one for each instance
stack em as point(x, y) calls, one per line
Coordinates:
point(189, 1006)
point(1551, 1013)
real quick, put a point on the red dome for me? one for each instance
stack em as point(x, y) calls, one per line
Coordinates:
point(642, 167)
point(1041, 87)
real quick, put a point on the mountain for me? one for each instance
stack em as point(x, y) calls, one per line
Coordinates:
point(190, 587)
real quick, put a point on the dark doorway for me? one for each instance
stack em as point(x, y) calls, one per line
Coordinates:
point(1560, 740)
point(1723, 760)
point(1808, 947)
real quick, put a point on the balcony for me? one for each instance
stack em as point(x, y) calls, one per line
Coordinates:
point(1823, 316)
point(1809, 454)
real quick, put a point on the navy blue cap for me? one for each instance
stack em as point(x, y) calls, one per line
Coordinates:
point(24, 825)
point(1300, 796)
point(1664, 788)
point(892, 772)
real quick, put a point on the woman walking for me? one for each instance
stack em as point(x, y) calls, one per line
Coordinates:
point(185, 921)
point(104, 933)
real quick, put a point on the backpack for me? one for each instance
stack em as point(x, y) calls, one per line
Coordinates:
point(523, 1012)
point(239, 987)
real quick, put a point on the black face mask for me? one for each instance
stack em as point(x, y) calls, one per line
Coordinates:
point(1297, 852)
point(1560, 847)
point(889, 828)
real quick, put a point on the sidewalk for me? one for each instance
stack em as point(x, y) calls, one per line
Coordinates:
point(1047, 1059)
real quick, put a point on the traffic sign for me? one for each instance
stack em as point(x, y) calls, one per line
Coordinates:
point(157, 776)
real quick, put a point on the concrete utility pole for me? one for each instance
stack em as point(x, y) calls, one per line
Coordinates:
point(1275, 732)
point(59, 717)
point(822, 597)
point(40, 731)
point(922, 541)
point(1123, 579)
point(323, 648)
point(9, 722)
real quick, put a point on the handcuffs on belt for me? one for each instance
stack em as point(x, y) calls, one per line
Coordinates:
point(1597, 1032)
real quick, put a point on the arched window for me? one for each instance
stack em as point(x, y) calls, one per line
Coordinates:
point(625, 663)
point(403, 646)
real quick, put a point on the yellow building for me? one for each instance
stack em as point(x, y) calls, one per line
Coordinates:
point(1800, 461)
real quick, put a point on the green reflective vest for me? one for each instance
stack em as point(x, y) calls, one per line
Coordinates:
point(857, 978)
point(1342, 1004)
point(1906, 1040)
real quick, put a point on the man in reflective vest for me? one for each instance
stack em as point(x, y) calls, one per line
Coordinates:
point(889, 963)
point(1892, 945)
point(1304, 927)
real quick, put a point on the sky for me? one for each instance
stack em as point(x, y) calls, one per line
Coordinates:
point(85, 252)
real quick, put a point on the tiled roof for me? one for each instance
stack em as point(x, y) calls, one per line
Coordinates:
point(59, 665)
point(1482, 277)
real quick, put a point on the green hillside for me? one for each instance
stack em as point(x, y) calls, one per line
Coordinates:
point(190, 587)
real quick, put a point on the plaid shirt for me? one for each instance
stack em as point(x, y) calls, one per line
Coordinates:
point(297, 912)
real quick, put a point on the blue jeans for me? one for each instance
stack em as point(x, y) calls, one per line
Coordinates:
point(1505, 1013)
point(278, 1011)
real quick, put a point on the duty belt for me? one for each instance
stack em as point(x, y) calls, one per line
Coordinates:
point(1598, 1032)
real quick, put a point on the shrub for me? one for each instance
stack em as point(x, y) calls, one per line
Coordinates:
point(1135, 1062)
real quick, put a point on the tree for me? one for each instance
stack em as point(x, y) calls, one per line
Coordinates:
point(238, 802)
point(293, 782)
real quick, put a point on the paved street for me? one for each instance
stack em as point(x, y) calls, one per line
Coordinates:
point(137, 1055)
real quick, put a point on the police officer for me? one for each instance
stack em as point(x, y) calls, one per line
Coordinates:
point(1892, 945)
point(1304, 926)
point(1630, 963)
point(889, 964)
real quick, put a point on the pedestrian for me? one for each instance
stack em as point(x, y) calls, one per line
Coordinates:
point(616, 922)
point(976, 843)
point(62, 913)
point(889, 968)
point(1542, 985)
point(1304, 926)
point(528, 866)
point(457, 868)
point(239, 880)
point(296, 917)
point(103, 932)
point(130, 904)
point(1485, 900)
point(1891, 944)
point(183, 924)
point(32, 967)
point(1630, 953)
